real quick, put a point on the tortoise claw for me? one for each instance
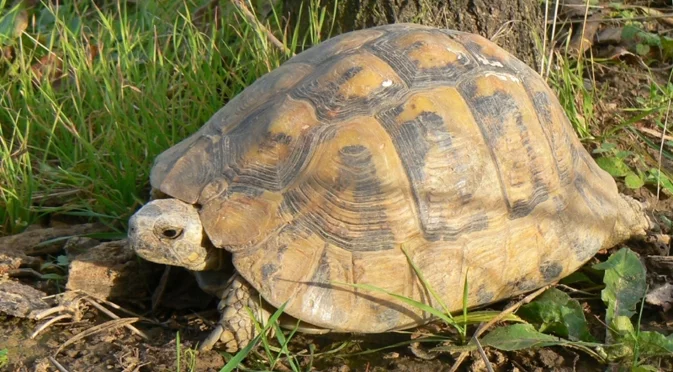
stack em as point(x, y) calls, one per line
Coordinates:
point(236, 327)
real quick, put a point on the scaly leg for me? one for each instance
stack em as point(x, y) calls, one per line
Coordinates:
point(236, 328)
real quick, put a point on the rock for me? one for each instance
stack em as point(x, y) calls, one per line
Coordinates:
point(46, 241)
point(17, 250)
point(661, 296)
point(20, 300)
point(78, 245)
point(106, 271)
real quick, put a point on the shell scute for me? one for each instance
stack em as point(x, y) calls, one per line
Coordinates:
point(355, 84)
point(352, 191)
point(423, 57)
point(446, 161)
point(513, 135)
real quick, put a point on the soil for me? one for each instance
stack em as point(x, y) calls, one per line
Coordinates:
point(121, 350)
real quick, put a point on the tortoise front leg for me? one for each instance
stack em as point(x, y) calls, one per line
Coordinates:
point(236, 328)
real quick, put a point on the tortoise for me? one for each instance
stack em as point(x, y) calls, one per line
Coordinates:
point(373, 150)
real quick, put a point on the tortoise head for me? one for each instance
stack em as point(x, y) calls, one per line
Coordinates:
point(169, 231)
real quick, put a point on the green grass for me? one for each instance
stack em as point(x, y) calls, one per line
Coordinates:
point(81, 141)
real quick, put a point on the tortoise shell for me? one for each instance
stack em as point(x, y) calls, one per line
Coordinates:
point(396, 143)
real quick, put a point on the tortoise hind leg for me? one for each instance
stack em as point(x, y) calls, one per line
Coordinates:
point(632, 221)
point(236, 328)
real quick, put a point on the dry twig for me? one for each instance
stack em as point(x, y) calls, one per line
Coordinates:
point(240, 4)
point(56, 364)
point(112, 324)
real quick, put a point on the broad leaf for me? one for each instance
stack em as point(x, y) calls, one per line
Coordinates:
point(613, 165)
point(654, 344)
point(633, 181)
point(555, 312)
point(625, 285)
point(518, 337)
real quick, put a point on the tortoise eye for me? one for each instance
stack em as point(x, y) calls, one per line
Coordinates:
point(171, 233)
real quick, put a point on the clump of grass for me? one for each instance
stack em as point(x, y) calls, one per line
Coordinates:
point(16, 182)
point(93, 95)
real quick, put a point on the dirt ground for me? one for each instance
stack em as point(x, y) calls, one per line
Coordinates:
point(121, 350)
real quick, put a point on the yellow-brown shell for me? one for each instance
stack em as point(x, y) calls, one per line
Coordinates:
point(397, 137)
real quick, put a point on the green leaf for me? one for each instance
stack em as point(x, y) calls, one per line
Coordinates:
point(629, 32)
point(518, 337)
point(623, 325)
point(577, 277)
point(642, 49)
point(653, 175)
point(12, 23)
point(62, 260)
point(613, 165)
point(667, 47)
point(644, 368)
point(652, 344)
point(605, 147)
point(633, 181)
point(625, 285)
point(4, 358)
point(555, 312)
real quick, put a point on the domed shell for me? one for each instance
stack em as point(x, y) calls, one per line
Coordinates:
point(396, 143)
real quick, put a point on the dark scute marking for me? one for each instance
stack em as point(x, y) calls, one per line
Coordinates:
point(584, 247)
point(522, 208)
point(358, 173)
point(320, 282)
point(302, 151)
point(557, 141)
point(540, 188)
point(413, 140)
point(550, 270)
point(272, 140)
point(293, 202)
point(349, 74)
point(477, 222)
point(322, 273)
point(523, 284)
point(484, 296)
point(229, 155)
point(541, 103)
point(268, 270)
point(498, 105)
point(584, 189)
point(331, 105)
point(388, 316)
point(353, 149)
point(245, 190)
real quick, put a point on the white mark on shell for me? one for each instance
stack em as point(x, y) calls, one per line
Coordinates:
point(503, 77)
point(387, 83)
point(485, 61)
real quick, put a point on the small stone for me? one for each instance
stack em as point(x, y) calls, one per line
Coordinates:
point(108, 270)
point(21, 300)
